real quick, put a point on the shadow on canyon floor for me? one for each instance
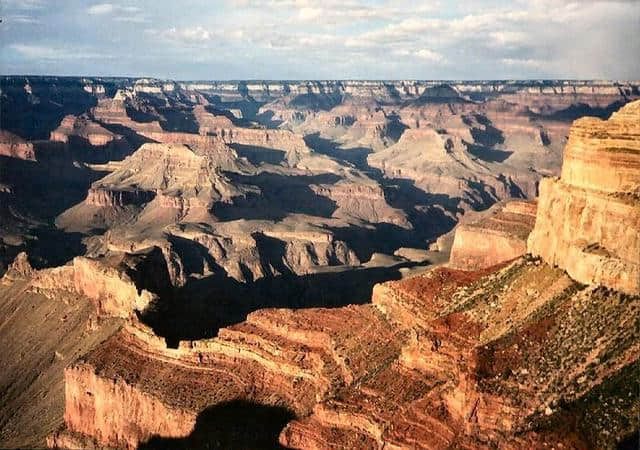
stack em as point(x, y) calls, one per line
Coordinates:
point(356, 155)
point(577, 111)
point(280, 195)
point(203, 306)
point(237, 424)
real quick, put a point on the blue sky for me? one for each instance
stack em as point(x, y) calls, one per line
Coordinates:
point(327, 39)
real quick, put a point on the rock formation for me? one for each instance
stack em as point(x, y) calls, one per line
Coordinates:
point(113, 111)
point(500, 237)
point(588, 220)
point(298, 357)
point(15, 147)
point(84, 128)
point(515, 355)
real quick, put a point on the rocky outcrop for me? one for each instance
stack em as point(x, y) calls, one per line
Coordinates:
point(84, 128)
point(107, 286)
point(112, 291)
point(364, 200)
point(436, 361)
point(588, 220)
point(117, 198)
point(161, 183)
point(15, 147)
point(500, 237)
point(275, 357)
point(283, 140)
point(209, 123)
point(439, 161)
point(41, 335)
point(113, 111)
point(19, 268)
point(462, 378)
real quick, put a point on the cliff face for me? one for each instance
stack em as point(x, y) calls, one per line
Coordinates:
point(486, 366)
point(246, 192)
point(106, 284)
point(500, 237)
point(43, 330)
point(276, 357)
point(84, 128)
point(15, 147)
point(588, 221)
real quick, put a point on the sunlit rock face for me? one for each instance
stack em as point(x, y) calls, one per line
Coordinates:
point(588, 220)
point(15, 147)
point(498, 238)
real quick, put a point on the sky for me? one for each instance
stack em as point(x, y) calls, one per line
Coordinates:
point(322, 39)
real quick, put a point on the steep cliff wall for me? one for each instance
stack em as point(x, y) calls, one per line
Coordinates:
point(588, 221)
point(276, 357)
point(500, 237)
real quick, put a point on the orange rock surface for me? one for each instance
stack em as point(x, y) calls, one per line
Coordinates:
point(489, 241)
point(277, 357)
point(15, 147)
point(588, 221)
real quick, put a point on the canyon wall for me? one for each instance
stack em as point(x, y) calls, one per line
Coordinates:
point(276, 357)
point(112, 292)
point(588, 220)
point(15, 147)
point(499, 237)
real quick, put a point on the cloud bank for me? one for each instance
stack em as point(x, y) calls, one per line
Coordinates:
point(305, 39)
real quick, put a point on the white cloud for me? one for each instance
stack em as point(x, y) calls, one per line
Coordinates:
point(429, 55)
point(338, 38)
point(118, 12)
point(100, 9)
point(22, 19)
point(309, 13)
point(23, 4)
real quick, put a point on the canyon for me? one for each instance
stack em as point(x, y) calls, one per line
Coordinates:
point(348, 264)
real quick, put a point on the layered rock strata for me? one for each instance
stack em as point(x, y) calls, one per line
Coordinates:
point(84, 128)
point(276, 357)
point(518, 355)
point(15, 147)
point(107, 286)
point(500, 237)
point(486, 366)
point(588, 220)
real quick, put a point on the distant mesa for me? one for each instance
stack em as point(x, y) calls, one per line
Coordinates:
point(14, 146)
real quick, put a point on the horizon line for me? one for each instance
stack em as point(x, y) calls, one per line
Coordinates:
point(293, 80)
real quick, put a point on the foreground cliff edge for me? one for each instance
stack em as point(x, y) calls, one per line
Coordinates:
point(536, 351)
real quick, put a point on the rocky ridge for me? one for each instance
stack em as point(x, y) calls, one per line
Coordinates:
point(488, 241)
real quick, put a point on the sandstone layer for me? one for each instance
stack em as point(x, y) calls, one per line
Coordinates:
point(500, 237)
point(276, 357)
point(15, 147)
point(588, 220)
